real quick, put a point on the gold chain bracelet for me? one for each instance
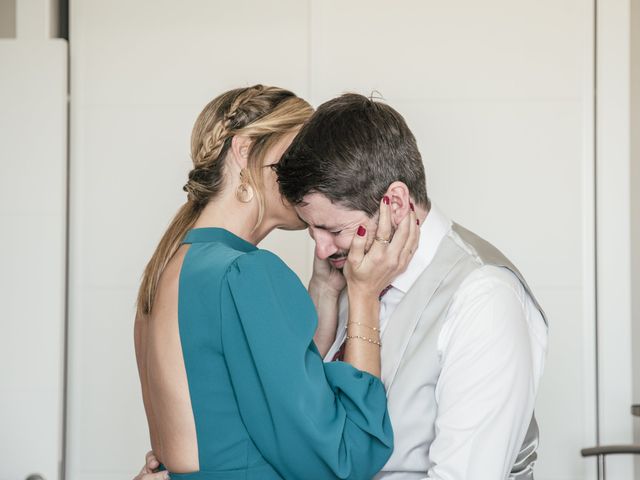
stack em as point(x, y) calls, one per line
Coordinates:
point(361, 325)
point(366, 339)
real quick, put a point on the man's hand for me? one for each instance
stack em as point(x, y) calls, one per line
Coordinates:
point(324, 288)
point(151, 463)
point(326, 278)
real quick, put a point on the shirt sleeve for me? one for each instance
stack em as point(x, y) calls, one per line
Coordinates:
point(308, 419)
point(487, 387)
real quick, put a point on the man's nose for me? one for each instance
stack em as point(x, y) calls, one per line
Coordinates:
point(325, 247)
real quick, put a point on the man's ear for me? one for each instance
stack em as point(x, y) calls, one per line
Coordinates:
point(240, 146)
point(400, 201)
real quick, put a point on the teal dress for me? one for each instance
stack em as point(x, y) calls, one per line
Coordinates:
point(264, 403)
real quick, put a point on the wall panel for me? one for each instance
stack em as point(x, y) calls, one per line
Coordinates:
point(33, 163)
point(141, 72)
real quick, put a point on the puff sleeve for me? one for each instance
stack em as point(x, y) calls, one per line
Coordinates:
point(309, 419)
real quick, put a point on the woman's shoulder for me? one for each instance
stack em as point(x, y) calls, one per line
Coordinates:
point(260, 263)
point(207, 260)
point(243, 272)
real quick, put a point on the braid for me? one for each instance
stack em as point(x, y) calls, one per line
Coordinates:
point(212, 145)
point(240, 111)
point(239, 114)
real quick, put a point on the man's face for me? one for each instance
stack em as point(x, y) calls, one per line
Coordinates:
point(332, 227)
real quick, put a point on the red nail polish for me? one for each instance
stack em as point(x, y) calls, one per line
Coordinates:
point(412, 207)
point(417, 222)
point(385, 200)
point(362, 231)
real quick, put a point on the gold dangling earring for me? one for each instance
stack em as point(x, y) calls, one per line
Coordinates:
point(244, 192)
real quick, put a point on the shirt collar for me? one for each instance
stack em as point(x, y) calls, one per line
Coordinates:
point(434, 228)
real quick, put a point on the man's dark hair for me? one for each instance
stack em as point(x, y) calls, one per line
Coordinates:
point(350, 150)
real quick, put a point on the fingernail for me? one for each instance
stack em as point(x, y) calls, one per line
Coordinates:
point(362, 231)
point(417, 222)
point(412, 207)
point(385, 200)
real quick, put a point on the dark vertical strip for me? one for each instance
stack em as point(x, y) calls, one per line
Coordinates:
point(63, 19)
point(595, 210)
point(8, 19)
point(65, 381)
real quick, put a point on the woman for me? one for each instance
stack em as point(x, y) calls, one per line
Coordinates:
point(232, 383)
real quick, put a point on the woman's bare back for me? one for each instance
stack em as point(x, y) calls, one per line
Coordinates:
point(163, 376)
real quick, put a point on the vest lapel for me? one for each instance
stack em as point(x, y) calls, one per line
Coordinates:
point(405, 318)
point(492, 256)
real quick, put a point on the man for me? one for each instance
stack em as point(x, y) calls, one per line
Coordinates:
point(463, 338)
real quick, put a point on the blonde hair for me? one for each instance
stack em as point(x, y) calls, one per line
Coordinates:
point(261, 113)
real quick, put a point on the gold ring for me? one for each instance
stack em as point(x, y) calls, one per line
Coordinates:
point(383, 241)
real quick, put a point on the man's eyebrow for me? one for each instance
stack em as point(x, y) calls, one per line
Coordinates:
point(333, 228)
point(342, 226)
point(321, 227)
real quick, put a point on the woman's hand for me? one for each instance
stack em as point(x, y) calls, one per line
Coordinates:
point(368, 273)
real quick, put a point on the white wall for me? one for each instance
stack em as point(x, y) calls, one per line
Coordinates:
point(634, 57)
point(499, 94)
point(614, 230)
point(33, 166)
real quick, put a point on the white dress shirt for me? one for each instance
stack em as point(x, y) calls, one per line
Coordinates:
point(492, 349)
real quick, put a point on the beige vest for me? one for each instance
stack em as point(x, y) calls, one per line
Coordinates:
point(410, 364)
